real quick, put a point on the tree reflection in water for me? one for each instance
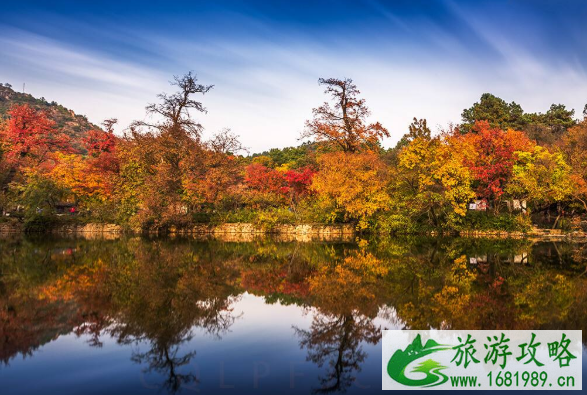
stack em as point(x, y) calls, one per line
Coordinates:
point(166, 362)
point(347, 294)
point(156, 294)
point(336, 341)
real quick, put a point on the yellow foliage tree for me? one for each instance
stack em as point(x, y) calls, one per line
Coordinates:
point(432, 176)
point(354, 183)
point(541, 176)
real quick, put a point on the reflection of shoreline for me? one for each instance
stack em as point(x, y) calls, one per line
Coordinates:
point(287, 233)
point(223, 232)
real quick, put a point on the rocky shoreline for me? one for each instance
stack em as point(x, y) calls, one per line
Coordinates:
point(228, 231)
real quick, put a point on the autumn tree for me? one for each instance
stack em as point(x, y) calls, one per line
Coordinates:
point(4, 168)
point(139, 157)
point(431, 182)
point(352, 185)
point(176, 130)
point(417, 129)
point(28, 139)
point(299, 184)
point(264, 178)
point(99, 141)
point(174, 110)
point(574, 147)
point(342, 123)
point(541, 177)
point(226, 142)
point(73, 173)
point(173, 142)
point(265, 186)
point(101, 148)
point(268, 186)
point(495, 153)
point(91, 179)
point(214, 176)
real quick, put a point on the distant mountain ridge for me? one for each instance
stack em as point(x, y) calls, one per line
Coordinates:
point(74, 125)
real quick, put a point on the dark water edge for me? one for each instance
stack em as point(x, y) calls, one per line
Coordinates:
point(166, 315)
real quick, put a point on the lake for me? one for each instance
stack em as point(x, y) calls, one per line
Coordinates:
point(138, 315)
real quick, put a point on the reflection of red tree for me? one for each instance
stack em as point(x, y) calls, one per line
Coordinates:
point(70, 303)
point(27, 324)
point(493, 310)
point(278, 281)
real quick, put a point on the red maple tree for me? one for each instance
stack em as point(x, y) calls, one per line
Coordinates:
point(30, 136)
point(495, 157)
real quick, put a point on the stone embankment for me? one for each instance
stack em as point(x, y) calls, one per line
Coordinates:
point(88, 228)
point(225, 232)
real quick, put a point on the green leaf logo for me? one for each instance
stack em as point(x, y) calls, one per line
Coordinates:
point(396, 367)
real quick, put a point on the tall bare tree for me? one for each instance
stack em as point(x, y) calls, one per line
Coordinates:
point(170, 142)
point(343, 123)
point(175, 109)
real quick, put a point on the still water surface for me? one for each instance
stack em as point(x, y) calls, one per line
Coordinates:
point(139, 315)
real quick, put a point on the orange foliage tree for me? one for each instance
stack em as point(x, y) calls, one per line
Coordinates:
point(213, 179)
point(90, 178)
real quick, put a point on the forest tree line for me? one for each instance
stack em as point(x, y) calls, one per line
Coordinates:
point(162, 173)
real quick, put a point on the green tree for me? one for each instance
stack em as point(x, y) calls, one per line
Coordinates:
point(496, 111)
point(549, 127)
point(39, 195)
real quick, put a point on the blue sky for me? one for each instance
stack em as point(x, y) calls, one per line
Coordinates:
point(428, 59)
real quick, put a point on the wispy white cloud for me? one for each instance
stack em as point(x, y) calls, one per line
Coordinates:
point(45, 54)
point(87, 81)
point(266, 75)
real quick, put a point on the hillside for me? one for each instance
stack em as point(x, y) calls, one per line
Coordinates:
point(74, 125)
